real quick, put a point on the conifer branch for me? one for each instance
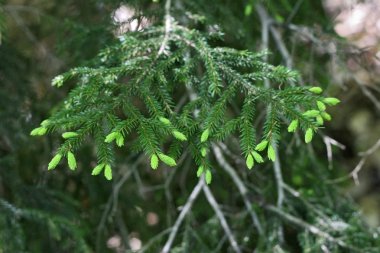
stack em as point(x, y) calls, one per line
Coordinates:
point(100, 97)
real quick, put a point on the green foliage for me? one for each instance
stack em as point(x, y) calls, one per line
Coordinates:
point(309, 135)
point(293, 125)
point(108, 172)
point(331, 101)
point(154, 161)
point(258, 158)
point(98, 169)
point(71, 160)
point(316, 90)
point(178, 135)
point(68, 135)
point(167, 160)
point(205, 134)
point(262, 145)
point(208, 176)
point(249, 161)
point(38, 131)
point(101, 101)
point(200, 171)
point(271, 153)
point(55, 161)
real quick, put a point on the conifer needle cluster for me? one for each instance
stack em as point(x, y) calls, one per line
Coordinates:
point(130, 92)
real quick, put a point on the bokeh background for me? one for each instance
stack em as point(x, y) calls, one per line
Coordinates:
point(333, 43)
point(357, 123)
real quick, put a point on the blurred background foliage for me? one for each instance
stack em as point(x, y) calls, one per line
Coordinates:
point(75, 212)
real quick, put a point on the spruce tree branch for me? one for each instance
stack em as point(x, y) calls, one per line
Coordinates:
point(239, 184)
point(185, 210)
point(168, 27)
point(210, 196)
point(211, 199)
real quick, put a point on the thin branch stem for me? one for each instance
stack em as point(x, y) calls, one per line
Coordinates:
point(211, 199)
point(168, 27)
point(355, 172)
point(185, 210)
point(265, 23)
point(279, 180)
point(311, 228)
point(328, 142)
point(239, 184)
